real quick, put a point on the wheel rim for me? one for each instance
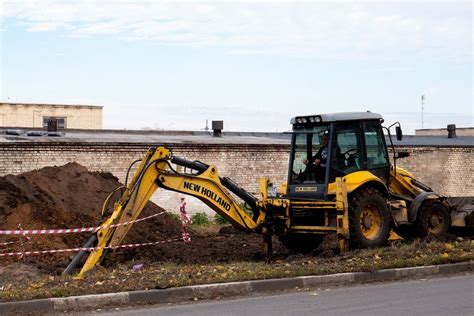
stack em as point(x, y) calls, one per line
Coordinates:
point(370, 222)
point(434, 222)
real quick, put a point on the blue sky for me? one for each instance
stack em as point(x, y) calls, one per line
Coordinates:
point(253, 64)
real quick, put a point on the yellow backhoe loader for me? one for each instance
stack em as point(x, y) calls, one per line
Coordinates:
point(340, 180)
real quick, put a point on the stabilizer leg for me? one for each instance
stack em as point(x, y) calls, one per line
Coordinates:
point(77, 260)
point(268, 247)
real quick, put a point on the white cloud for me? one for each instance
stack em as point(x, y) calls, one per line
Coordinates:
point(389, 69)
point(322, 29)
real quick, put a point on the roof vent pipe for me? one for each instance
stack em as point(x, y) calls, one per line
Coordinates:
point(217, 127)
point(452, 131)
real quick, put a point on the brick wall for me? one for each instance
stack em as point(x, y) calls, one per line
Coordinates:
point(245, 164)
point(449, 171)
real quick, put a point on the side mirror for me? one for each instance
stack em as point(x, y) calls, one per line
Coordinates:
point(398, 130)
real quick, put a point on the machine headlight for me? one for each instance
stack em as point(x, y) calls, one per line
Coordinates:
point(309, 119)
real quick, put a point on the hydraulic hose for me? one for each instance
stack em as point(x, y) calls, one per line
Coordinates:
point(421, 185)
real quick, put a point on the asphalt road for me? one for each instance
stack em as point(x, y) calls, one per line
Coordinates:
point(439, 296)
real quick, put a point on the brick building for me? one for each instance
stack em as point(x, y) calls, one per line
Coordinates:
point(29, 115)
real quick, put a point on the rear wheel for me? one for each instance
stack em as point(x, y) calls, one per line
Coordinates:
point(433, 219)
point(369, 219)
point(301, 243)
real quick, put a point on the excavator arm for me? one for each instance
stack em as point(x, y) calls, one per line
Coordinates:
point(156, 171)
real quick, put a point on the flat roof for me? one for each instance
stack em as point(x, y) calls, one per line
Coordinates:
point(54, 105)
point(203, 137)
point(150, 137)
point(440, 141)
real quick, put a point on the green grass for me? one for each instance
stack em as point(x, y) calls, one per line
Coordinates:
point(164, 275)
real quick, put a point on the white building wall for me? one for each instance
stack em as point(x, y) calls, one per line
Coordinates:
point(31, 115)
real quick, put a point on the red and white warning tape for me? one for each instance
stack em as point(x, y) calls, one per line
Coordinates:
point(3, 244)
point(184, 238)
point(71, 230)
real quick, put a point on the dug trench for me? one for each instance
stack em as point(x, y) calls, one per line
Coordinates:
point(70, 196)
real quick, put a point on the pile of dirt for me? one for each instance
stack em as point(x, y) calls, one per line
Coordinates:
point(70, 196)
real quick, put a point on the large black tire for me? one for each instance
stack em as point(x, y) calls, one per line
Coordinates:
point(433, 220)
point(369, 219)
point(302, 243)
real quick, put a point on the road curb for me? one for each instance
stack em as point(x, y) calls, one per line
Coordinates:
point(206, 291)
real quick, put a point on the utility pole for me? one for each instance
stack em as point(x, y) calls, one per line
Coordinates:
point(422, 110)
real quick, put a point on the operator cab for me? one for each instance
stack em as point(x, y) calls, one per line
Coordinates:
point(327, 146)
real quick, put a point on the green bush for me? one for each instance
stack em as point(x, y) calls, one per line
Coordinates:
point(219, 219)
point(200, 219)
point(175, 216)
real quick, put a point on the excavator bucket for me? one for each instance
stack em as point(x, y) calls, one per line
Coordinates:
point(462, 215)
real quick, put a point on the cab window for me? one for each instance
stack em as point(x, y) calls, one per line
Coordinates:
point(346, 151)
point(305, 145)
point(300, 153)
point(376, 153)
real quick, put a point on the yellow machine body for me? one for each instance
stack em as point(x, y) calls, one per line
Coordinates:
point(154, 172)
point(356, 201)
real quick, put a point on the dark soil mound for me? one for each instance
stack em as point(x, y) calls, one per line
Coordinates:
point(68, 197)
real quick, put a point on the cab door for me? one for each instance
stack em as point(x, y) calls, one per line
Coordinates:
point(301, 181)
point(376, 159)
point(347, 150)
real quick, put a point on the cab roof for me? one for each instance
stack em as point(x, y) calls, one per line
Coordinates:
point(342, 116)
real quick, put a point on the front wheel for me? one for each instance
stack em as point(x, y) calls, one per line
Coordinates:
point(369, 219)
